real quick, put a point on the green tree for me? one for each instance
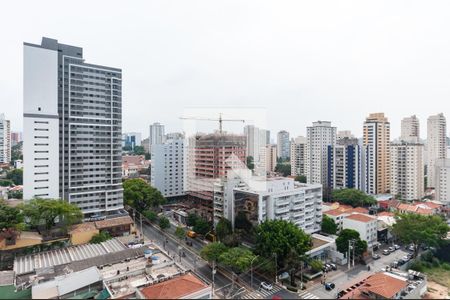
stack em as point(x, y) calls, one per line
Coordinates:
point(223, 228)
point(250, 163)
point(213, 251)
point(342, 242)
point(49, 212)
point(164, 223)
point(150, 215)
point(281, 237)
point(201, 226)
point(420, 230)
point(328, 225)
point(16, 176)
point(16, 153)
point(140, 195)
point(11, 217)
point(139, 150)
point(353, 197)
point(191, 219)
point(241, 222)
point(300, 178)
point(101, 237)
point(232, 240)
point(180, 233)
point(283, 168)
point(6, 182)
point(238, 259)
point(316, 265)
point(15, 195)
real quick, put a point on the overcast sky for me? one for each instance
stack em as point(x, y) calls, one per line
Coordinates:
point(301, 61)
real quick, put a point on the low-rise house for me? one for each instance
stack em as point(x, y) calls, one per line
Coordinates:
point(365, 225)
point(341, 211)
point(133, 165)
point(385, 220)
point(83, 233)
point(119, 226)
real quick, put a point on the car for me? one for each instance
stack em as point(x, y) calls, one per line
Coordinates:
point(386, 252)
point(406, 258)
point(266, 286)
point(411, 248)
point(401, 262)
point(329, 286)
point(333, 266)
point(376, 256)
point(394, 264)
point(391, 249)
point(396, 247)
point(409, 255)
point(329, 267)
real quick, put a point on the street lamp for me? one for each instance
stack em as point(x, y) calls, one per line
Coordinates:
point(251, 270)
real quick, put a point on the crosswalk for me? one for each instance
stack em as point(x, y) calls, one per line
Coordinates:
point(307, 295)
point(261, 294)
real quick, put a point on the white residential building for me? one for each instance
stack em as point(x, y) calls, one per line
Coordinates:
point(436, 145)
point(168, 167)
point(410, 129)
point(268, 158)
point(298, 156)
point(256, 139)
point(5, 140)
point(319, 137)
point(407, 170)
point(156, 135)
point(365, 225)
point(72, 128)
point(283, 147)
point(442, 176)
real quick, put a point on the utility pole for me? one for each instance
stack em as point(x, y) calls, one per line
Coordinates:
point(353, 261)
point(348, 254)
point(213, 276)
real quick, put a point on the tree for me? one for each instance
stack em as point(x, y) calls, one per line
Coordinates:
point(15, 176)
point(6, 182)
point(223, 228)
point(139, 150)
point(140, 195)
point(420, 230)
point(328, 225)
point(49, 212)
point(283, 168)
point(241, 222)
point(300, 178)
point(213, 251)
point(232, 240)
point(164, 223)
point(281, 237)
point(342, 242)
point(180, 232)
point(150, 215)
point(353, 197)
point(201, 226)
point(15, 195)
point(250, 163)
point(16, 153)
point(101, 237)
point(316, 265)
point(10, 217)
point(191, 219)
point(238, 259)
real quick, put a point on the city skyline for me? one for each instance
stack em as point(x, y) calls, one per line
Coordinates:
point(271, 57)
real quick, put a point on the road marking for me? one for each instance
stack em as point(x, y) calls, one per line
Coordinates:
point(307, 295)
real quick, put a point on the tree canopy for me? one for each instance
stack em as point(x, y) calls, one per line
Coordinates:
point(241, 222)
point(191, 219)
point(347, 235)
point(281, 237)
point(10, 217)
point(139, 150)
point(49, 212)
point(250, 163)
point(328, 225)
point(283, 168)
point(180, 232)
point(101, 237)
point(353, 197)
point(16, 176)
point(213, 251)
point(164, 223)
point(300, 178)
point(150, 215)
point(238, 259)
point(140, 195)
point(420, 230)
point(223, 228)
point(201, 226)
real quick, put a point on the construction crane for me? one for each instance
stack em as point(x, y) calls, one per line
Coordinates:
point(220, 119)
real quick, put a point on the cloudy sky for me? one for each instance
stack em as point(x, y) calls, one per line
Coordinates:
point(300, 61)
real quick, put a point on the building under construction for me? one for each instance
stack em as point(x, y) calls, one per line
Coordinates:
point(209, 158)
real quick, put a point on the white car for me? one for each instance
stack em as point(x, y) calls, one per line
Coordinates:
point(266, 286)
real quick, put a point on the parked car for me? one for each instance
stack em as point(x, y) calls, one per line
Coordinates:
point(386, 252)
point(391, 249)
point(333, 266)
point(411, 248)
point(401, 262)
point(394, 264)
point(329, 286)
point(396, 247)
point(266, 286)
point(376, 256)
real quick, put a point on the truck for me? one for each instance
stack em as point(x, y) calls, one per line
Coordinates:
point(191, 234)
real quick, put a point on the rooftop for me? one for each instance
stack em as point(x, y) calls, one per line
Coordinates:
point(360, 218)
point(83, 227)
point(334, 212)
point(176, 288)
point(126, 220)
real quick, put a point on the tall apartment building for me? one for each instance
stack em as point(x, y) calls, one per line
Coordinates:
point(72, 128)
point(436, 145)
point(344, 134)
point(167, 167)
point(410, 129)
point(156, 134)
point(407, 170)
point(16, 138)
point(131, 139)
point(319, 137)
point(256, 139)
point(5, 140)
point(283, 148)
point(345, 164)
point(298, 156)
point(268, 157)
point(376, 140)
point(210, 156)
point(442, 177)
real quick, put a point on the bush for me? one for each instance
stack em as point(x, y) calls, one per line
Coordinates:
point(150, 215)
point(100, 237)
point(417, 266)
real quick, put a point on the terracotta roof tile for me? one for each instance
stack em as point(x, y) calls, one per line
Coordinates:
point(114, 222)
point(381, 284)
point(175, 288)
point(360, 218)
point(334, 212)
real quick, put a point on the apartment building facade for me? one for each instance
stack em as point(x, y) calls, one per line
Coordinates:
point(283, 148)
point(436, 145)
point(298, 156)
point(442, 177)
point(5, 140)
point(345, 164)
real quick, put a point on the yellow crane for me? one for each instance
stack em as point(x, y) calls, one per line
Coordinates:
point(220, 120)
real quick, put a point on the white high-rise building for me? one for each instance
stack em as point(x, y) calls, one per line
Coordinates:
point(72, 128)
point(298, 156)
point(268, 158)
point(442, 176)
point(256, 139)
point(410, 129)
point(5, 140)
point(407, 170)
point(156, 134)
point(283, 147)
point(167, 167)
point(319, 137)
point(436, 145)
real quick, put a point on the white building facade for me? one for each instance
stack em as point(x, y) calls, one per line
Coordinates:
point(156, 134)
point(365, 225)
point(410, 129)
point(436, 145)
point(256, 139)
point(298, 156)
point(442, 175)
point(5, 140)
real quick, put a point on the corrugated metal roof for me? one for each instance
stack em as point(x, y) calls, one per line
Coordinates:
point(29, 263)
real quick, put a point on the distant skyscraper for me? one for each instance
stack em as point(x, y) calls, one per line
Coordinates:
point(256, 138)
point(268, 155)
point(156, 134)
point(410, 129)
point(131, 139)
point(442, 176)
point(345, 164)
point(344, 134)
point(298, 156)
point(436, 145)
point(407, 170)
point(5, 140)
point(72, 128)
point(16, 137)
point(319, 137)
point(376, 140)
point(283, 146)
